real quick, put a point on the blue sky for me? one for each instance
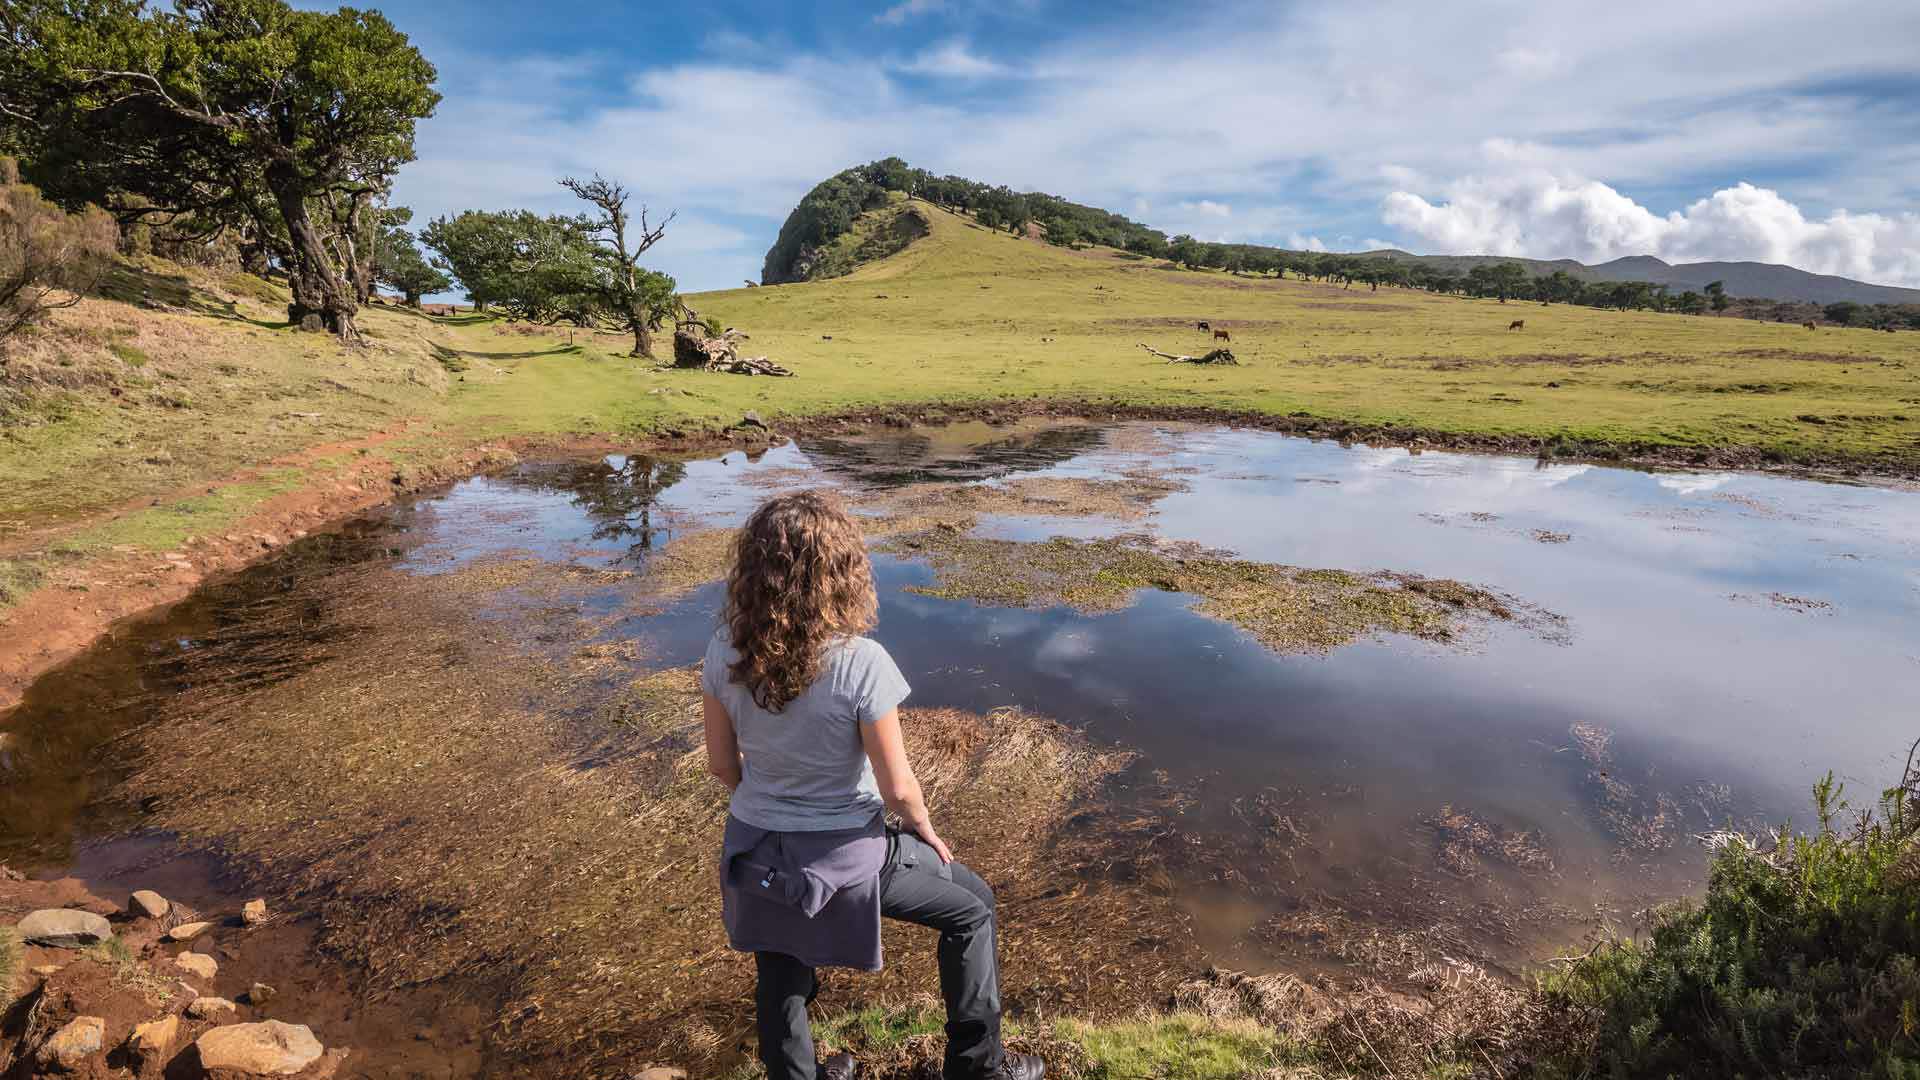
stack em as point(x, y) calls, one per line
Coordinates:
point(1770, 131)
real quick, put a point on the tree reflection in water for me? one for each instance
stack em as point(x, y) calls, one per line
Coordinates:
point(619, 494)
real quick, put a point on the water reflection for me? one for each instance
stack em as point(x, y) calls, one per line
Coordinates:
point(620, 494)
point(958, 452)
point(1715, 696)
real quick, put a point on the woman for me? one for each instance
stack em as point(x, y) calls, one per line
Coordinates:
point(803, 723)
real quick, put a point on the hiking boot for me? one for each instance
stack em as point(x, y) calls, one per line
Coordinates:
point(1020, 1067)
point(838, 1067)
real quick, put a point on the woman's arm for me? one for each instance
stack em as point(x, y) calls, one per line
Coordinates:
point(899, 788)
point(723, 749)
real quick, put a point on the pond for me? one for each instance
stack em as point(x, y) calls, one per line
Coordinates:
point(1701, 647)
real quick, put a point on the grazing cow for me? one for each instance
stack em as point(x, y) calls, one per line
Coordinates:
point(1517, 324)
point(1222, 335)
point(1809, 325)
point(1202, 327)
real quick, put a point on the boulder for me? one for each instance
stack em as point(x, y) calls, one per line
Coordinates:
point(148, 903)
point(151, 1043)
point(199, 964)
point(253, 912)
point(661, 1072)
point(188, 931)
point(270, 1048)
point(259, 994)
point(210, 1008)
point(68, 1049)
point(64, 928)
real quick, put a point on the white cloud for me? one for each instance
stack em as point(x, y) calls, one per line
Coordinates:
point(1374, 101)
point(952, 59)
point(1208, 208)
point(901, 12)
point(1528, 63)
point(1304, 242)
point(1538, 213)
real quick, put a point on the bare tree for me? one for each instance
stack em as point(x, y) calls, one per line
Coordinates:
point(641, 299)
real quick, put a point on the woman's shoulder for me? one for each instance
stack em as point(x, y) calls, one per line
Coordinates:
point(859, 650)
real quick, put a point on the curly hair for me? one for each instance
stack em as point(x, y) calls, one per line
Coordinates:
point(801, 580)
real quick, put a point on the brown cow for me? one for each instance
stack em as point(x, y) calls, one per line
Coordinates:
point(1202, 327)
point(1809, 325)
point(1222, 335)
point(1517, 324)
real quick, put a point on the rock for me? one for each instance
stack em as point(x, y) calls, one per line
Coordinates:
point(259, 994)
point(187, 931)
point(46, 971)
point(752, 419)
point(151, 1043)
point(148, 903)
point(271, 1048)
point(253, 912)
point(186, 990)
point(200, 964)
point(661, 1072)
point(329, 1065)
point(211, 1008)
point(64, 928)
point(68, 1049)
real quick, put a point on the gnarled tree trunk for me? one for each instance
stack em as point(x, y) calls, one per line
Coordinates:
point(321, 301)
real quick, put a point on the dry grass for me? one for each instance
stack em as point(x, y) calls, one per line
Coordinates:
point(458, 809)
point(1456, 1021)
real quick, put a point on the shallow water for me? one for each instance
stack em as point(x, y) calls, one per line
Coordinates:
point(1733, 635)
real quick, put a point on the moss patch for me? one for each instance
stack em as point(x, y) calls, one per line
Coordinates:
point(1130, 496)
point(1287, 608)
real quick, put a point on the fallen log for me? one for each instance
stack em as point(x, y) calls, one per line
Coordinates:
point(751, 365)
point(691, 349)
point(1217, 356)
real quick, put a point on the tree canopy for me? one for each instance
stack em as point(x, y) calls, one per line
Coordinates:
point(243, 114)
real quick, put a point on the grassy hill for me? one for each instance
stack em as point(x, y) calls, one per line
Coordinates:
point(969, 314)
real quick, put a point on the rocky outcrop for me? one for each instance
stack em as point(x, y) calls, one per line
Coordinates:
point(271, 1048)
point(151, 1044)
point(64, 928)
point(211, 1008)
point(71, 1048)
point(199, 964)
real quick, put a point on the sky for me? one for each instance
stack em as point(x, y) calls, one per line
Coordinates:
point(1776, 132)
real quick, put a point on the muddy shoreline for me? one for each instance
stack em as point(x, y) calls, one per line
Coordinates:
point(64, 619)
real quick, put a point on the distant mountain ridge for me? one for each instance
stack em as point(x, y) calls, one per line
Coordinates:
point(837, 226)
point(1756, 280)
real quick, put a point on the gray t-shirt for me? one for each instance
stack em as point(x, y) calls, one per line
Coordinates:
point(805, 769)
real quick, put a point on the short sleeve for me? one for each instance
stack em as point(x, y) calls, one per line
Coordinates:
point(713, 670)
point(878, 687)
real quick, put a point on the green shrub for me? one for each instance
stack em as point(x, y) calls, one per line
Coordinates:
point(1803, 959)
point(130, 355)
